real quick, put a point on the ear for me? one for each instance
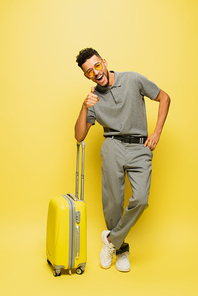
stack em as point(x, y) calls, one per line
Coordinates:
point(105, 63)
point(87, 76)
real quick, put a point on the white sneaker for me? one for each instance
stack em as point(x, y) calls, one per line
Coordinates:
point(122, 262)
point(106, 254)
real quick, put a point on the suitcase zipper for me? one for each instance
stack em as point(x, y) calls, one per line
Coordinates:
point(71, 260)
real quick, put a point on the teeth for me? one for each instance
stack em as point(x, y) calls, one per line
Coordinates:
point(99, 77)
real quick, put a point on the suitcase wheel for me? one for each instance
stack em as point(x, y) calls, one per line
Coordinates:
point(79, 271)
point(56, 272)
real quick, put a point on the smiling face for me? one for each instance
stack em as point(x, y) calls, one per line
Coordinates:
point(100, 77)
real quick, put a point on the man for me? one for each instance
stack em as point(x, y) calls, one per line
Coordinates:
point(117, 103)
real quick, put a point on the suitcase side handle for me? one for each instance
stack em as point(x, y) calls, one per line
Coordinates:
point(82, 170)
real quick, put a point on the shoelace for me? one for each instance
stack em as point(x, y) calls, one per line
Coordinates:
point(110, 251)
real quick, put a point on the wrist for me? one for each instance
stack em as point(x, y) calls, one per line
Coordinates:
point(84, 106)
point(158, 131)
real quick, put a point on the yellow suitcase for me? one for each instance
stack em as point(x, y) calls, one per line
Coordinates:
point(66, 240)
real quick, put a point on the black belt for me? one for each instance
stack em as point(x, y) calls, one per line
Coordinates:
point(128, 139)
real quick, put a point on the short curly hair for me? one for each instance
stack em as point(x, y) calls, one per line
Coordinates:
point(86, 54)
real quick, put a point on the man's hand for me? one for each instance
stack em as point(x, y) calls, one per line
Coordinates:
point(91, 99)
point(152, 141)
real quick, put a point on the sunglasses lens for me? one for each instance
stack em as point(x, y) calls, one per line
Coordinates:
point(90, 73)
point(98, 66)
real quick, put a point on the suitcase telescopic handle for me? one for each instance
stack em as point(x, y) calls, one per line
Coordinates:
point(82, 144)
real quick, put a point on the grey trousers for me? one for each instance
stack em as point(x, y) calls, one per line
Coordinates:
point(117, 159)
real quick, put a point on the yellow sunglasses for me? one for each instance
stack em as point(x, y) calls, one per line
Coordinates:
point(90, 72)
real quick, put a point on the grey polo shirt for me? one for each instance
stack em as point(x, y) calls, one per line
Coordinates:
point(121, 109)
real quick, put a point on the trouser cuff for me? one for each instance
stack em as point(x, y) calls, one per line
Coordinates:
point(124, 248)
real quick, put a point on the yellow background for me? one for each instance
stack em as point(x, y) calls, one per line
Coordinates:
point(41, 92)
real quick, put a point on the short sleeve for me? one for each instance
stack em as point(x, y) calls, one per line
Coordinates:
point(91, 115)
point(147, 87)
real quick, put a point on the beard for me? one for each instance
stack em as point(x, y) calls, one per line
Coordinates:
point(107, 84)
